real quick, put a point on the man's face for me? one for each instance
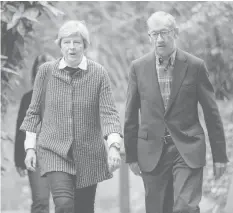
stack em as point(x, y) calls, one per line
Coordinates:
point(72, 48)
point(162, 35)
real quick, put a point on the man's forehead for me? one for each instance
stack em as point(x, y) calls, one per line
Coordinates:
point(160, 23)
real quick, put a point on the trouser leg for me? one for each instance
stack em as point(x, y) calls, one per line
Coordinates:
point(187, 187)
point(40, 192)
point(85, 199)
point(62, 188)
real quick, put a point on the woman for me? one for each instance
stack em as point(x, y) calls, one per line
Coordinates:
point(79, 112)
point(39, 186)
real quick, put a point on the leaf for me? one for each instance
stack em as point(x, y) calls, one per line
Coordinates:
point(11, 8)
point(4, 97)
point(14, 20)
point(31, 14)
point(21, 28)
point(52, 9)
point(3, 57)
point(4, 69)
point(21, 7)
point(4, 18)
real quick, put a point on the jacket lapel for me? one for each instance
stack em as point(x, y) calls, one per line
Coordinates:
point(153, 78)
point(178, 75)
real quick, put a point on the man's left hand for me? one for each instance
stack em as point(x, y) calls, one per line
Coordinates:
point(114, 159)
point(219, 169)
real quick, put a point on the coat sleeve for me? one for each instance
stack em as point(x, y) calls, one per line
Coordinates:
point(131, 117)
point(108, 113)
point(33, 117)
point(212, 116)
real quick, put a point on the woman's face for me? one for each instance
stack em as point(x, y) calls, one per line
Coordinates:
point(72, 49)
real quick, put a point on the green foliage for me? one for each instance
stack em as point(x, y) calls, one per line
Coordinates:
point(119, 35)
point(17, 19)
point(207, 33)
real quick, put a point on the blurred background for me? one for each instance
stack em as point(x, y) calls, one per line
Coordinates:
point(118, 35)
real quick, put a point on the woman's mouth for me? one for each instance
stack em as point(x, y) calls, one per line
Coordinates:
point(72, 54)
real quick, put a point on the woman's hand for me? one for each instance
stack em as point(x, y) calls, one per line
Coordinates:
point(114, 159)
point(30, 160)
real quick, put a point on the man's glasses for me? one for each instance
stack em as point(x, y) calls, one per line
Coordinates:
point(163, 34)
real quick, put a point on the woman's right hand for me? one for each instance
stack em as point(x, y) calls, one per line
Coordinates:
point(30, 160)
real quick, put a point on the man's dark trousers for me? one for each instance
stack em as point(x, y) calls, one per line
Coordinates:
point(172, 186)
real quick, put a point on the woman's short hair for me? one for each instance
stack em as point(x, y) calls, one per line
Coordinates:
point(73, 27)
point(39, 60)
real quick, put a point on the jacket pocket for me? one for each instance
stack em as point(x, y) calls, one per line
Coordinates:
point(195, 131)
point(188, 84)
point(142, 134)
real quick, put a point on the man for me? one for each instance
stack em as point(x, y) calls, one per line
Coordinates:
point(167, 147)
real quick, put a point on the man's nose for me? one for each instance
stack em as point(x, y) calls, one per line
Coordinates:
point(159, 38)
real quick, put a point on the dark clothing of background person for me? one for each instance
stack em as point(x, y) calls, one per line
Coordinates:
point(20, 135)
point(39, 186)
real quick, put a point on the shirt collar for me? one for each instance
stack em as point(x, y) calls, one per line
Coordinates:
point(82, 65)
point(171, 59)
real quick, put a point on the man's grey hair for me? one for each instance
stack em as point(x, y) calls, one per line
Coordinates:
point(161, 14)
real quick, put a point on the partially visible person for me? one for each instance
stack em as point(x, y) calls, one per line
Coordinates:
point(79, 112)
point(39, 186)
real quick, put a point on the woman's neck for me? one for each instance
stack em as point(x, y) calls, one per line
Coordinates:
point(75, 63)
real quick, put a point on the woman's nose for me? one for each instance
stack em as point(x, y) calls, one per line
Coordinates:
point(71, 45)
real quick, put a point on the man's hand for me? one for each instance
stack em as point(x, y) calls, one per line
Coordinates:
point(135, 168)
point(114, 159)
point(22, 172)
point(30, 160)
point(219, 169)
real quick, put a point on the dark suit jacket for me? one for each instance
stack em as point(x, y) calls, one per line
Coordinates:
point(190, 85)
point(20, 135)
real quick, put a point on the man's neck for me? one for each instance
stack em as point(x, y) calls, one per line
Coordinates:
point(167, 56)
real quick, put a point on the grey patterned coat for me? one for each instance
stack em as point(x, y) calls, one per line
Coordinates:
point(79, 113)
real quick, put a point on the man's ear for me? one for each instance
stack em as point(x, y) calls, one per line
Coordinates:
point(150, 38)
point(176, 34)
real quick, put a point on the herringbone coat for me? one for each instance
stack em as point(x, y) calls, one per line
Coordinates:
point(79, 112)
